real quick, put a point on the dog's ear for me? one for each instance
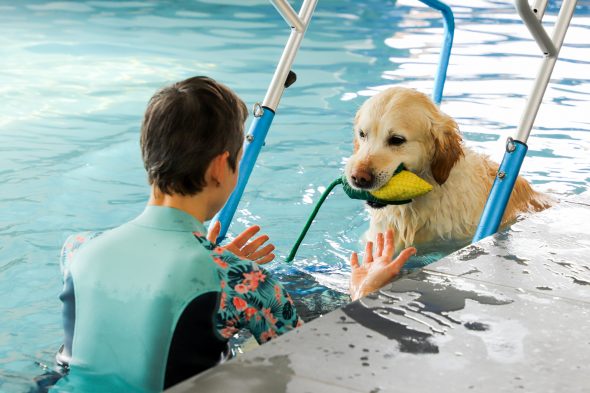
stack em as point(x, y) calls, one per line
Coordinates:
point(447, 146)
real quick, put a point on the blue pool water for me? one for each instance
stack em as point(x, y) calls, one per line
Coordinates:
point(76, 76)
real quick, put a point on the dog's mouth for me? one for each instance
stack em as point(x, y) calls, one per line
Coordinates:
point(376, 205)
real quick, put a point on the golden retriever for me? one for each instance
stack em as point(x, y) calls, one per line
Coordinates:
point(403, 126)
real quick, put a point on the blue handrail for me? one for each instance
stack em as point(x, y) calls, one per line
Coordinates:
point(493, 211)
point(445, 53)
point(264, 114)
point(254, 142)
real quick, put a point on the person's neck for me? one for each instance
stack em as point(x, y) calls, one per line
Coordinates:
point(195, 205)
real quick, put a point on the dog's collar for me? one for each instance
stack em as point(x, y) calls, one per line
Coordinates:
point(400, 167)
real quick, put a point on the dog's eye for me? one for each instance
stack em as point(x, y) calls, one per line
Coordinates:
point(396, 140)
point(362, 134)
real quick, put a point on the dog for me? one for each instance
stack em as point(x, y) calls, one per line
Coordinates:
point(403, 126)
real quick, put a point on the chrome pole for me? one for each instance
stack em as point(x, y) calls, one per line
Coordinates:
point(289, 14)
point(544, 74)
point(277, 84)
point(539, 7)
point(516, 149)
point(264, 114)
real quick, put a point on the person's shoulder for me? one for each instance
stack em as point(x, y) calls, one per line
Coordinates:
point(72, 244)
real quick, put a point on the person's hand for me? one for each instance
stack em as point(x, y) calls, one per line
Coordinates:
point(253, 251)
point(377, 269)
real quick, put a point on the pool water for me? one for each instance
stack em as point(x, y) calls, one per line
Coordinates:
point(76, 77)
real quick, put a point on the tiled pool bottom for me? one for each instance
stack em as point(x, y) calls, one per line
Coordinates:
point(510, 313)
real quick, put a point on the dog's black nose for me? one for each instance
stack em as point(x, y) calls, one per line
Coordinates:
point(362, 179)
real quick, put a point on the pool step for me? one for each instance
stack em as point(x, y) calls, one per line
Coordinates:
point(509, 313)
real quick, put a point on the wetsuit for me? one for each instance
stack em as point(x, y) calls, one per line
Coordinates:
point(153, 302)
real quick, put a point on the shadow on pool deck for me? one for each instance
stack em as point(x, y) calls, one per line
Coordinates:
point(510, 313)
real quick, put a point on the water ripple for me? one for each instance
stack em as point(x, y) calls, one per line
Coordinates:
point(77, 76)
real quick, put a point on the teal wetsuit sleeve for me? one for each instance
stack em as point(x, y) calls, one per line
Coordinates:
point(251, 298)
point(71, 245)
point(67, 296)
point(67, 252)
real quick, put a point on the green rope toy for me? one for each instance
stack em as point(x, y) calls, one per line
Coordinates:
point(399, 190)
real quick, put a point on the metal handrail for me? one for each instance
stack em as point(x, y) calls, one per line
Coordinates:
point(277, 84)
point(288, 13)
point(535, 27)
point(563, 20)
point(539, 7)
point(516, 148)
point(445, 53)
point(264, 114)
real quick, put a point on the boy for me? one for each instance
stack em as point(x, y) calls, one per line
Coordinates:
point(153, 301)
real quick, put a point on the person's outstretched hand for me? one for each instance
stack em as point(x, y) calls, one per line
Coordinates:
point(377, 269)
point(253, 251)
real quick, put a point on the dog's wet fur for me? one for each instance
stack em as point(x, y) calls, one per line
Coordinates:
point(401, 125)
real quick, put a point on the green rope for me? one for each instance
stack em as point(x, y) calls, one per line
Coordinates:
point(311, 217)
point(352, 193)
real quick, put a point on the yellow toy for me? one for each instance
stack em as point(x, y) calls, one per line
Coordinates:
point(403, 186)
point(400, 189)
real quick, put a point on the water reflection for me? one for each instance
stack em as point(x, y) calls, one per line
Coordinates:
point(76, 77)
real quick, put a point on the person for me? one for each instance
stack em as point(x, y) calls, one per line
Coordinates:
point(155, 300)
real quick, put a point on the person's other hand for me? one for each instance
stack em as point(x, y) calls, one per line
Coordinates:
point(254, 250)
point(377, 269)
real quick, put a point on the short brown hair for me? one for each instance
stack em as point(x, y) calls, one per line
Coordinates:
point(185, 126)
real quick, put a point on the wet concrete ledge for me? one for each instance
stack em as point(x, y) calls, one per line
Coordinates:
point(510, 313)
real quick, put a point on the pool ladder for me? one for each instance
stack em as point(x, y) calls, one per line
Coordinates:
point(516, 147)
point(283, 77)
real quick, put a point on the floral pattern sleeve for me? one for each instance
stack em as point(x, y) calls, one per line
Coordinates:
point(251, 298)
point(71, 245)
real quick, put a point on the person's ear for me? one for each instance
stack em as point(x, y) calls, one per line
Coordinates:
point(217, 169)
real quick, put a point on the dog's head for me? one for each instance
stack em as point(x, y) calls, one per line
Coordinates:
point(402, 126)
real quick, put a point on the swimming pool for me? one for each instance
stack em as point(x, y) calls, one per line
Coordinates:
point(76, 77)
